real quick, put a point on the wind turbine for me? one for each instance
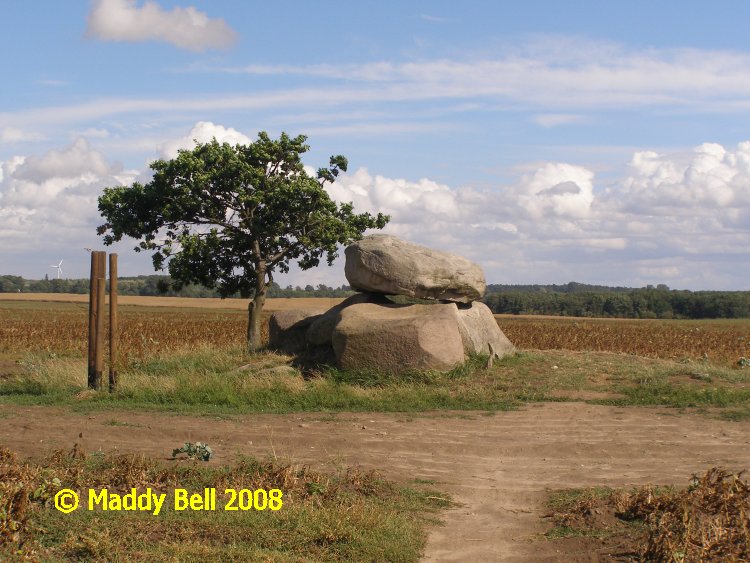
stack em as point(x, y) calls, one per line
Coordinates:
point(59, 268)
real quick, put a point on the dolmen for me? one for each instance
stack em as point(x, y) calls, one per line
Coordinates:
point(369, 331)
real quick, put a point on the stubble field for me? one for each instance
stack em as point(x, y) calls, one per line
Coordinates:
point(58, 323)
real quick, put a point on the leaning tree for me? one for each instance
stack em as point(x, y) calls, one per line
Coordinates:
point(230, 216)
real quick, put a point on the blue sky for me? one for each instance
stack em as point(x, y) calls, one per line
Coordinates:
point(599, 142)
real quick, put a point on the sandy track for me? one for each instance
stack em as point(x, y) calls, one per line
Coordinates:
point(497, 467)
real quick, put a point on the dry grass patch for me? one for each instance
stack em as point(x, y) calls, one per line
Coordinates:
point(707, 521)
point(350, 515)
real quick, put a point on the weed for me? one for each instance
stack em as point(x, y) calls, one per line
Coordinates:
point(197, 450)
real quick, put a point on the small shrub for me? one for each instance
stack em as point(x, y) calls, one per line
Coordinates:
point(197, 450)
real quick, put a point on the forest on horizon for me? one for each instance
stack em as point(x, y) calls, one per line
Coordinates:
point(571, 299)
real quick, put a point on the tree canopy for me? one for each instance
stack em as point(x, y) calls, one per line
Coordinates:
point(228, 216)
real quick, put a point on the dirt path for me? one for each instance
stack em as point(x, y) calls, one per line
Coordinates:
point(497, 467)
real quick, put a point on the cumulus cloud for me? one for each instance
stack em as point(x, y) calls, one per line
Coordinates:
point(557, 189)
point(186, 28)
point(408, 202)
point(202, 132)
point(708, 178)
point(74, 161)
point(558, 193)
point(679, 219)
point(51, 199)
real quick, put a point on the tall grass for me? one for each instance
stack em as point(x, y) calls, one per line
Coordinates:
point(227, 380)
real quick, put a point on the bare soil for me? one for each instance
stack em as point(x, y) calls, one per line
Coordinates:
point(497, 467)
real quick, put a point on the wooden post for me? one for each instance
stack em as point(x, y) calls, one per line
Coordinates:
point(100, 292)
point(112, 323)
point(93, 315)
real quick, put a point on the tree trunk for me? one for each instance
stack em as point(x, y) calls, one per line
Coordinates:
point(255, 311)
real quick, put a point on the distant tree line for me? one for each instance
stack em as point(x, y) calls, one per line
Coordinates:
point(571, 299)
point(157, 285)
point(580, 300)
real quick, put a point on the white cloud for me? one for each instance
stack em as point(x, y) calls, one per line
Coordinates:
point(202, 132)
point(557, 189)
point(16, 135)
point(187, 28)
point(555, 119)
point(679, 219)
point(93, 133)
point(408, 203)
point(74, 161)
point(51, 200)
point(557, 72)
point(560, 80)
point(366, 129)
point(707, 179)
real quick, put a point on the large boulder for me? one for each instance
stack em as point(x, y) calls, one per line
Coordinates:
point(395, 338)
point(479, 331)
point(287, 329)
point(321, 329)
point(389, 265)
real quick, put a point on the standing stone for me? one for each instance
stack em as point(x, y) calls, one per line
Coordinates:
point(389, 265)
point(479, 331)
point(395, 338)
point(287, 329)
point(321, 329)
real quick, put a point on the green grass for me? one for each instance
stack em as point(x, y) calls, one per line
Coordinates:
point(559, 532)
point(206, 381)
point(681, 396)
point(114, 422)
point(343, 516)
point(565, 499)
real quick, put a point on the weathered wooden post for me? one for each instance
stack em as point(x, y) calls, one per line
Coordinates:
point(100, 292)
point(112, 323)
point(93, 315)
